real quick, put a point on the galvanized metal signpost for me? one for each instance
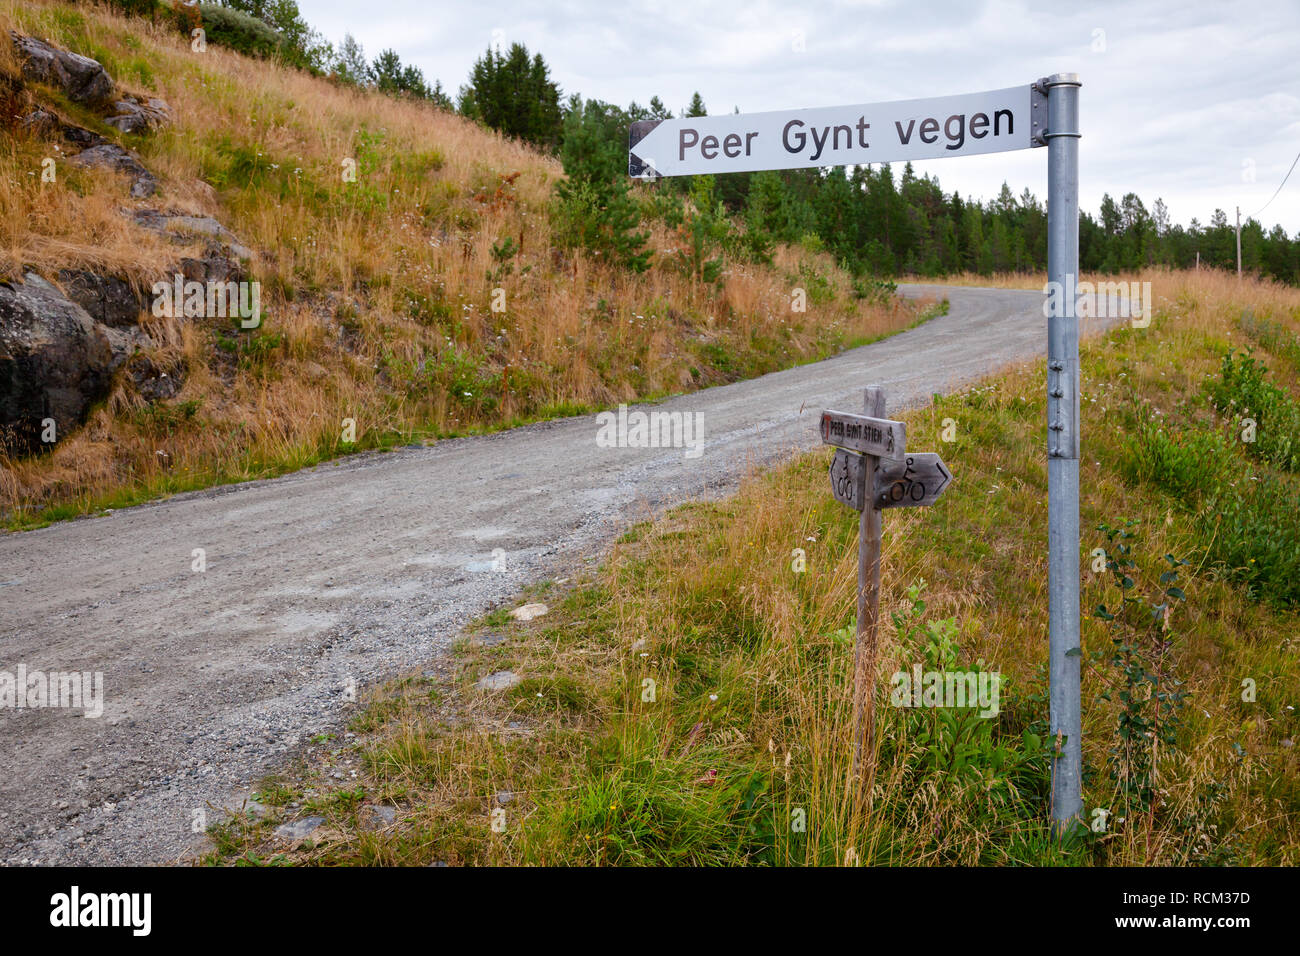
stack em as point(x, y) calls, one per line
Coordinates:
point(1061, 132)
point(871, 469)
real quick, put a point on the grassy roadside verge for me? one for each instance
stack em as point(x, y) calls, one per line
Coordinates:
point(737, 752)
point(255, 465)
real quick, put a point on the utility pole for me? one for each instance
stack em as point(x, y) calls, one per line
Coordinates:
point(1238, 242)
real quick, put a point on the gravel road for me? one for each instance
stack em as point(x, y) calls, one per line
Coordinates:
point(347, 573)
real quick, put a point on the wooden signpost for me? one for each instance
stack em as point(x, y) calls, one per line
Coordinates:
point(871, 456)
point(849, 473)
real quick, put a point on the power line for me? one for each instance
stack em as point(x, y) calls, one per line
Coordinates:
point(1283, 183)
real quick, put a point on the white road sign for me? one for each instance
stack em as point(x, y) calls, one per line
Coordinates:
point(962, 125)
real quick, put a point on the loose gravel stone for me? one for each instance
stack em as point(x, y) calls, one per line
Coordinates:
point(501, 680)
point(379, 816)
point(528, 612)
point(299, 829)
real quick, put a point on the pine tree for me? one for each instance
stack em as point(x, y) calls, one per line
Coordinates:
point(513, 93)
point(596, 210)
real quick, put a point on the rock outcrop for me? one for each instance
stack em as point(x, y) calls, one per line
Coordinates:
point(112, 156)
point(134, 115)
point(85, 81)
point(182, 227)
point(82, 79)
point(107, 299)
point(60, 349)
point(56, 361)
point(41, 122)
point(153, 379)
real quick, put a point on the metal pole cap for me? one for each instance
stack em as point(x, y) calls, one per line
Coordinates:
point(1058, 79)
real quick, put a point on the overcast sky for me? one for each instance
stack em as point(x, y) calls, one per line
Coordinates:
point(1195, 102)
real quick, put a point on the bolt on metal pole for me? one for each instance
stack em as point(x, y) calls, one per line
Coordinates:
point(1064, 650)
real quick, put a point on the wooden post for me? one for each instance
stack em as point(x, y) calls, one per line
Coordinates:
point(864, 677)
point(873, 470)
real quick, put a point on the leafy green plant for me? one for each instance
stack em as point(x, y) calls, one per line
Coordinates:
point(819, 286)
point(1253, 529)
point(451, 370)
point(875, 291)
point(959, 743)
point(1243, 391)
point(163, 419)
point(1149, 696)
point(1184, 463)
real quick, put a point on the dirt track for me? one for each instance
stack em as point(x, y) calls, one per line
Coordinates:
point(353, 571)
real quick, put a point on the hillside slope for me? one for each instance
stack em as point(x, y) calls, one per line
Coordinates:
point(421, 296)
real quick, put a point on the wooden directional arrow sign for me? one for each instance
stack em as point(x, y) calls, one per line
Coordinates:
point(913, 481)
point(962, 125)
point(869, 436)
point(849, 478)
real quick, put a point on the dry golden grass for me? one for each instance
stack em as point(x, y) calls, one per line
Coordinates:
point(377, 294)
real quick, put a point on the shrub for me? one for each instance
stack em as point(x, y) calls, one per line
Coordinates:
point(1148, 716)
point(1254, 531)
point(819, 285)
point(1243, 390)
point(1008, 770)
point(139, 8)
point(239, 31)
point(876, 291)
point(594, 209)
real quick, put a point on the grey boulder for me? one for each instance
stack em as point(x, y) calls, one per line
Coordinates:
point(180, 227)
point(107, 299)
point(299, 829)
point(82, 79)
point(111, 156)
point(55, 361)
point(133, 115)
